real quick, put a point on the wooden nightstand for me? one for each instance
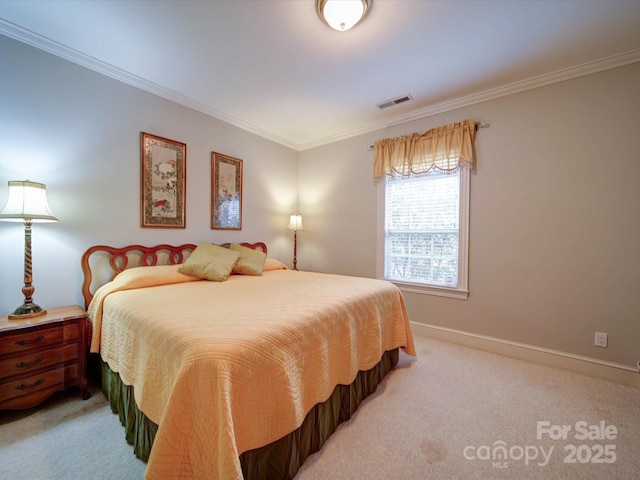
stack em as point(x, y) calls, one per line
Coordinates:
point(39, 356)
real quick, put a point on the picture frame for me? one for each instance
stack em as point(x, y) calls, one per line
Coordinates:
point(163, 182)
point(226, 192)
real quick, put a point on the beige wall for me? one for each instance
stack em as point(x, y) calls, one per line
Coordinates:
point(79, 133)
point(555, 217)
point(554, 203)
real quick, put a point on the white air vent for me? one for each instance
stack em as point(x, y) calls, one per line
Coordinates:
point(394, 101)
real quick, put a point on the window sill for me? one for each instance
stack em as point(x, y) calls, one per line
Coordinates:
point(436, 291)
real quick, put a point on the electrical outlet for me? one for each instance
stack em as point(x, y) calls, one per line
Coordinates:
point(601, 340)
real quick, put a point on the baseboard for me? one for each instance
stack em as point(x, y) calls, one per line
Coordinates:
point(593, 367)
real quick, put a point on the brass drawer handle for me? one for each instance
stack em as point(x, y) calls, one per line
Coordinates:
point(29, 364)
point(22, 343)
point(22, 386)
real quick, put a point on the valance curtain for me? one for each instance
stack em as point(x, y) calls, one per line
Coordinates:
point(446, 148)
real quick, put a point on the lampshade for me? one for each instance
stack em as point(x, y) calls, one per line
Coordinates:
point(295, 222)
point(27, 201)
point(342, 15)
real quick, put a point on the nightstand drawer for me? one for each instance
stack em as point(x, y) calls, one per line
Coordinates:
point(36, 386)
point(42, 355)
point(40, 360)
point(22, 341)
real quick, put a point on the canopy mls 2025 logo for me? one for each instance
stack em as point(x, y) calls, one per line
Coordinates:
point(595, 447)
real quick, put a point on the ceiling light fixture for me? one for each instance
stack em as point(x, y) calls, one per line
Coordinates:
point(342, 15)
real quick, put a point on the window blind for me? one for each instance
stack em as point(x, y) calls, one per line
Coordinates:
point(422, 229)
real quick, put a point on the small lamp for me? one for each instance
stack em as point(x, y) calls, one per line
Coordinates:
point(295, 224)
point(342, 15)
point(27, 203)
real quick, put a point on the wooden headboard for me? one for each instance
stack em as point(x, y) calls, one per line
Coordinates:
point(102, 263)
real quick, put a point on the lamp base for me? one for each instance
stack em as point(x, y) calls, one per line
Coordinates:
point(27, 310)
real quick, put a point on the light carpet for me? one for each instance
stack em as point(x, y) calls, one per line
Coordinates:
point(452, 412)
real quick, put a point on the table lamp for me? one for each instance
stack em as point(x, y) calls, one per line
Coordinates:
point(27, 203)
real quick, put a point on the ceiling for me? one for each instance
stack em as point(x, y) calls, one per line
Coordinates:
point(275, 69)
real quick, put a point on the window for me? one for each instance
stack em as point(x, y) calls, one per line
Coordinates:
point(424, 208)
point(426, 232)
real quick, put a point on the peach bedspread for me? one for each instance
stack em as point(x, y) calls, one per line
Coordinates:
point(226, 367)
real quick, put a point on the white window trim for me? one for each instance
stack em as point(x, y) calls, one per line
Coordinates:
point(462, 291)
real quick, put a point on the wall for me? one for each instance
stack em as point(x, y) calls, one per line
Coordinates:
point(554, 230)
point(79, 133)
point(554, 202)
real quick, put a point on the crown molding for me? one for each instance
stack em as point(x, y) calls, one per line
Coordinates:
point(608, 63)
point(40, 42)
point(43, 43)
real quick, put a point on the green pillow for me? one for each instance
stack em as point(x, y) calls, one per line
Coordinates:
point(251, 262)
point(210, 262)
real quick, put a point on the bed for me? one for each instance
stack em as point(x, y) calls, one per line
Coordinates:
point(240, 377)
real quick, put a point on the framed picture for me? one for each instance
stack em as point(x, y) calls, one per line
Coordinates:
point(164, 175)
point(226, 192)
